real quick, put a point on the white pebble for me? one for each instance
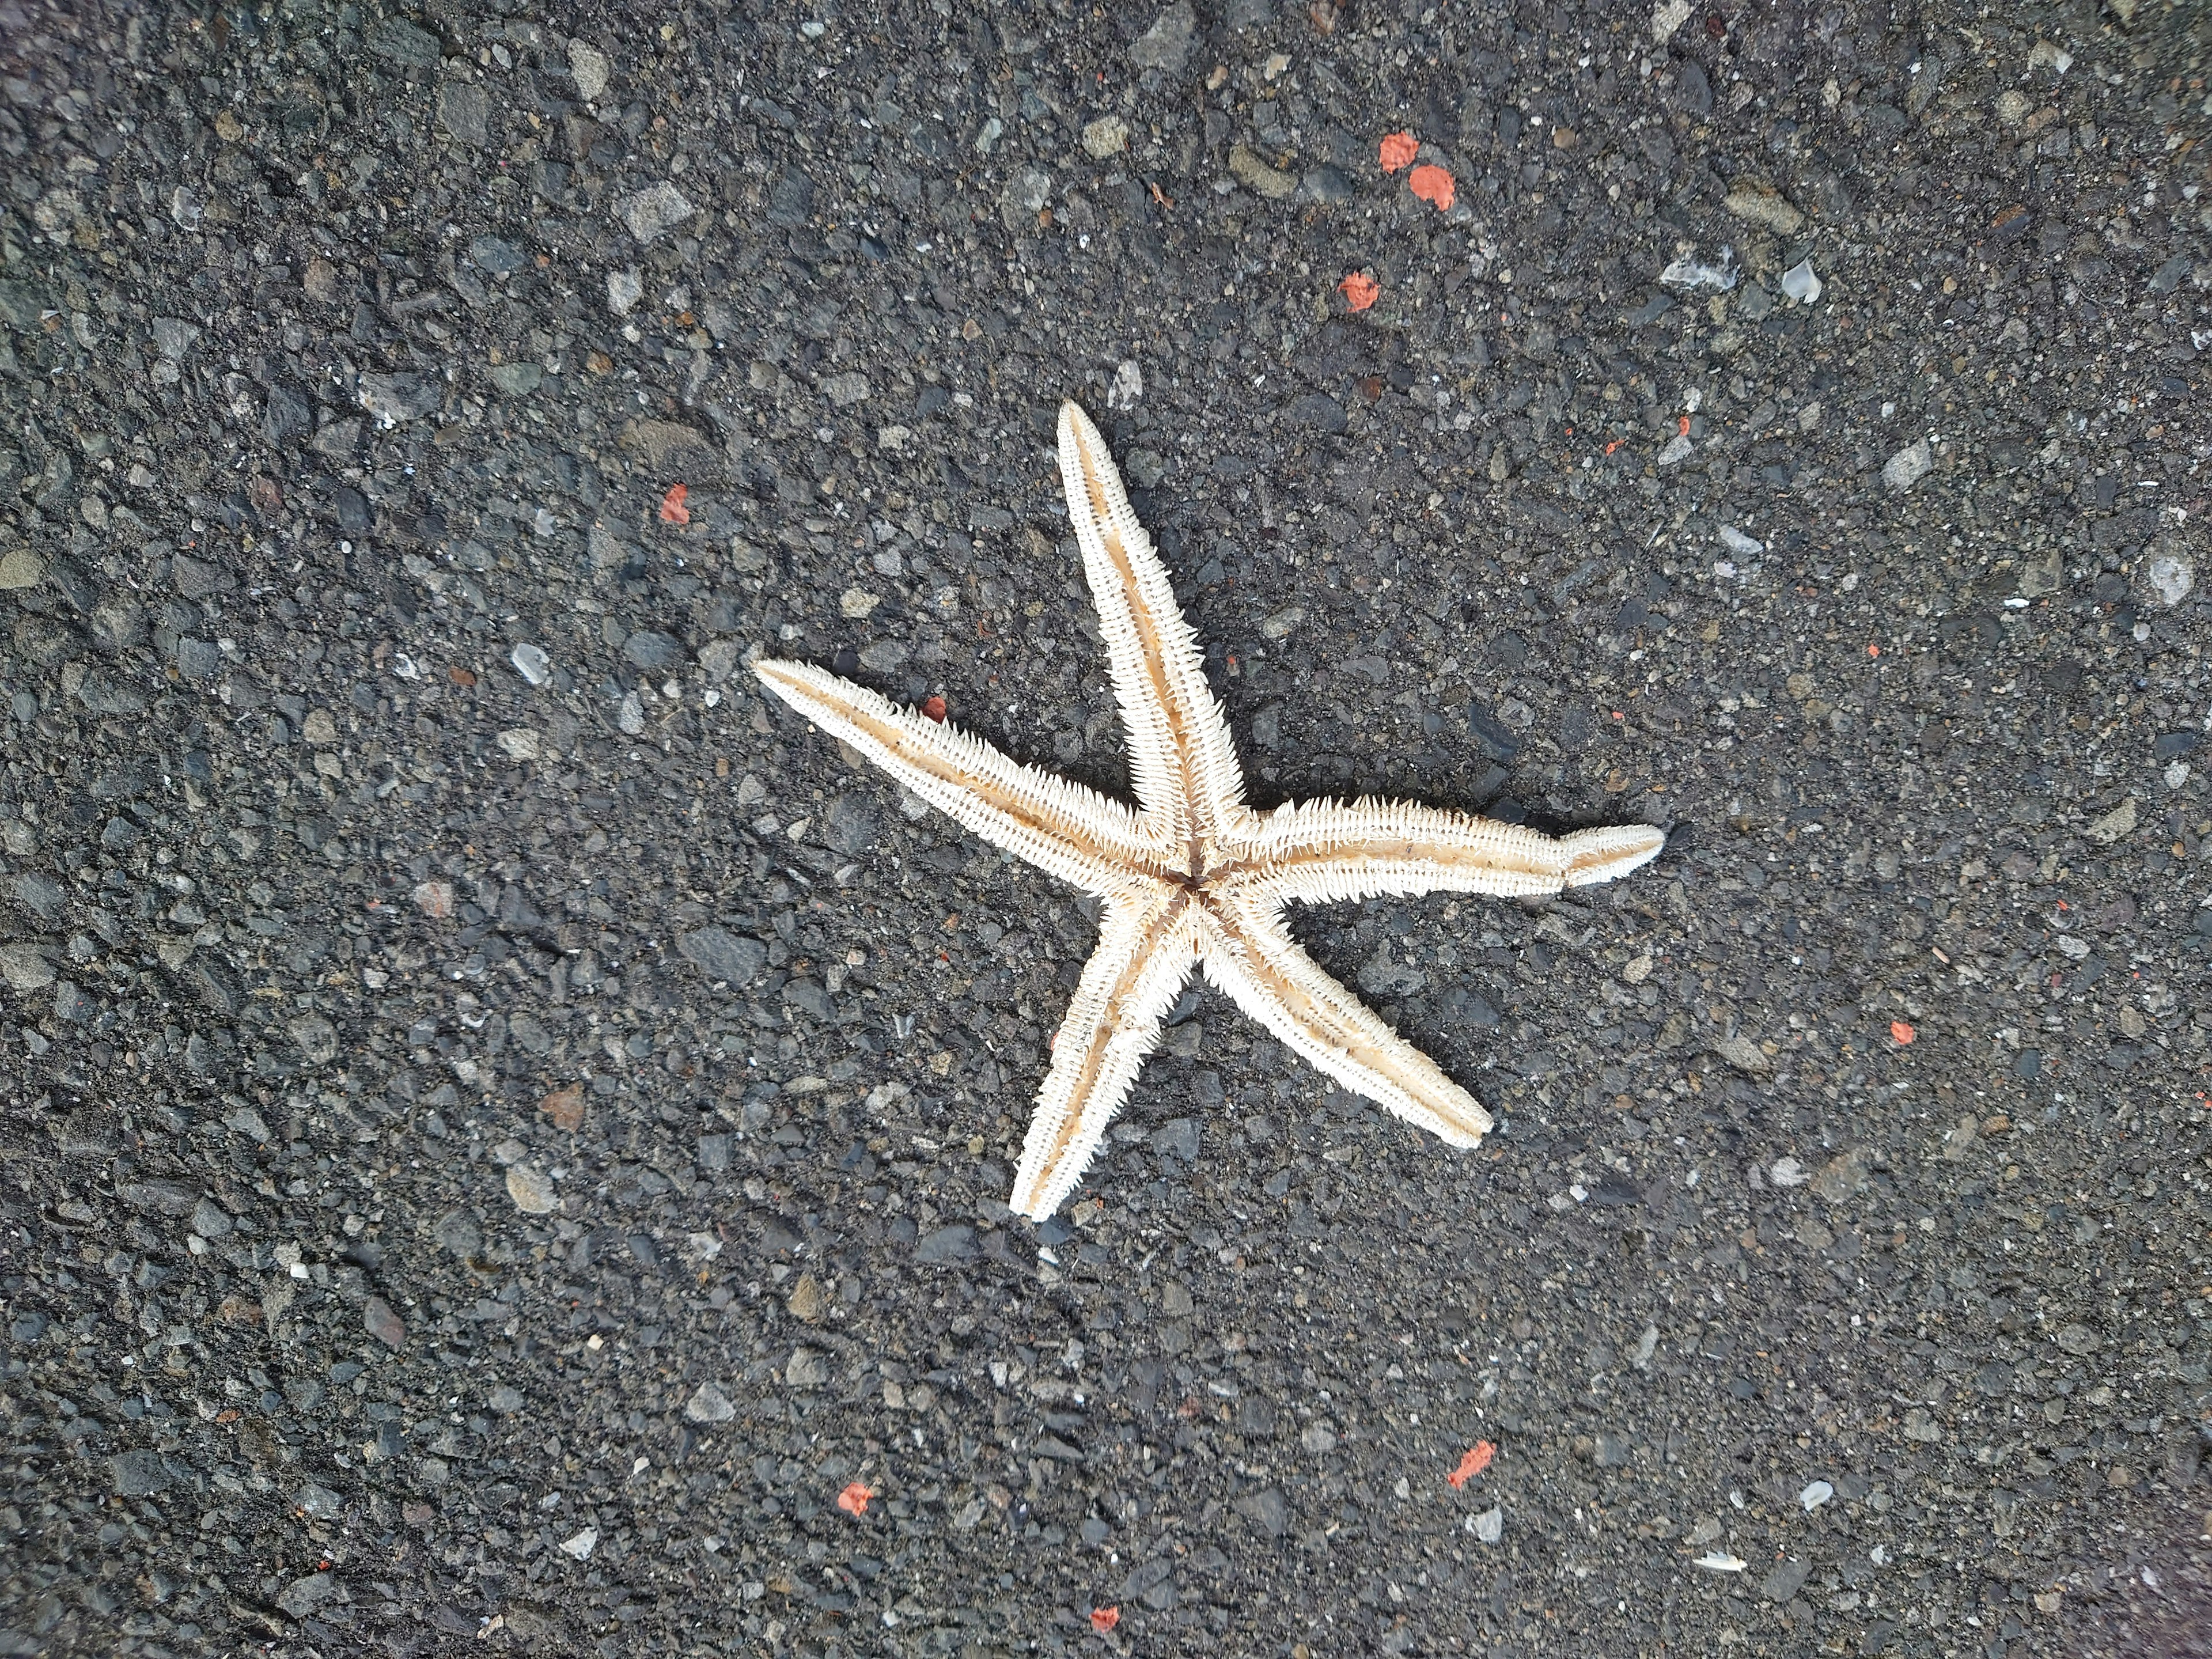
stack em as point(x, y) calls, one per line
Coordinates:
point(624, 289)
point(2172, 576)
point(1800, 283)
point(1127, 387)
point(1909, 465)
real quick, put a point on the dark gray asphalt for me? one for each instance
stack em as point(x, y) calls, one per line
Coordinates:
point(503, 1127)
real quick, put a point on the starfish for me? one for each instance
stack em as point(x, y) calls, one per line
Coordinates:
point(1192, 877)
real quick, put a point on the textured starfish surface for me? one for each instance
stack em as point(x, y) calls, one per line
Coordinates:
point(1192, 878)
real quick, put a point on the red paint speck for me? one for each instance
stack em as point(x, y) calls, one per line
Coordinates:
point(1476, 1461)
point(1434, 185)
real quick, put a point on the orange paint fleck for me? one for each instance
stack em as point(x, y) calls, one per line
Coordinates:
point(1399, 150)
point(1104, 1618)
point(1682, 425)
point(934, 708)
point(1873, 651)
point(1359, 291)
point(854, 1500)
point(1614, 445)
point(1902, 1033)
point(673, 510)
point(1433, 184)
point(1476, 1461)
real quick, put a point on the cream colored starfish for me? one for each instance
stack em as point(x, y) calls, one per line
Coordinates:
point(1192, 877)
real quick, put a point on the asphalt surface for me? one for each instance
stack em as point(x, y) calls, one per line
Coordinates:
point(504, 1126)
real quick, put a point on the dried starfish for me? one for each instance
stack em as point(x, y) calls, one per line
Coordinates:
point(1193, 878)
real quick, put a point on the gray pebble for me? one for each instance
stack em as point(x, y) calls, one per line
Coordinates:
point(946, 1245)
point(720, 954)
point(655, 210)
point(655, 652)
point(1908, 466)
point(708, 1404)
point(139, 1474)
point(1167, 43)
point(532, 662)
point(303, 1596)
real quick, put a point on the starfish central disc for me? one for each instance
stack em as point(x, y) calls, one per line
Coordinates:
point(1191, 877)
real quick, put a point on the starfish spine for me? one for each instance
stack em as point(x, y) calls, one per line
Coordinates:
point(1192, 878)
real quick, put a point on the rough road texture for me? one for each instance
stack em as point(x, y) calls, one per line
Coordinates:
point(503, 1127)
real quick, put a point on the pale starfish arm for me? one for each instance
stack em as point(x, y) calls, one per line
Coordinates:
point(1321, 852)
point(1184, 762)
point(1065, 829)
point(1251, 955)
point(1147, 951)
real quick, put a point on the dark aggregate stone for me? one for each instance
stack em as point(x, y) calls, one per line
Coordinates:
point(954, 1243)
point(138, 1473)
point(654, 652)
point(720, 954)
point(1787, 1578)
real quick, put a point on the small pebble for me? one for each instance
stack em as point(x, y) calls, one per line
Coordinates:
point(1106, 137)
point(532, 662)
point(1689, 273)
point(709, 1404)
point(1167, 43)
point(1763, 207)
point(2172, 576)
point(530, 1189)
point(1127, 387)
point(385, 1326)
point(589, 65)
point(654, 211)
point(1800, 283)
point(1909, 465)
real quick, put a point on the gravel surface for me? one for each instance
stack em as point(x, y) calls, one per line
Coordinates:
point(506, 1131)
